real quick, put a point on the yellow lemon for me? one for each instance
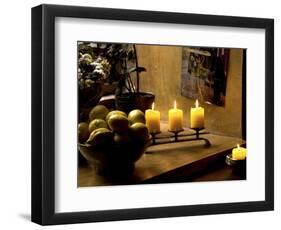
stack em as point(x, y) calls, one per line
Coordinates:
point(115, 112)
point(83, 132)
point(100, 136)
point(118, 123)
point(121, 139)
point(136, 116)
point(98, 112)
point(139, 131)
point(97, 123)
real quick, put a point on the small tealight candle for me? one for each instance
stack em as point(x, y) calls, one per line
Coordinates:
point(175, 119)
point(152, 118)
point(239, 153)
point(197, 117)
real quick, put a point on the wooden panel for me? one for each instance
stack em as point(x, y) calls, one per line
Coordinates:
point(163, 78)
point(163, 162)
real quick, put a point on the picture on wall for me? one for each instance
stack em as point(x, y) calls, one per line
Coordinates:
point(204, 74)
point(146, 114)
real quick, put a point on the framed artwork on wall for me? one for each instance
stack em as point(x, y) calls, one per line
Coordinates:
point(204, 74)
point(136, 114)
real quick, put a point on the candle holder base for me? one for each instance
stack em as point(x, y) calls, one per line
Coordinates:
point(153, 137)
point(179, 136)
point(176, 134)
point(197, 136)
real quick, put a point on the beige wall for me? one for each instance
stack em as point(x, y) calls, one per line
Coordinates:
point(163, 78)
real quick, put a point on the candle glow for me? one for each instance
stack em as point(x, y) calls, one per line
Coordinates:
point(152, 118)
point(197, 117)
point(175, 119)
point(239, 153)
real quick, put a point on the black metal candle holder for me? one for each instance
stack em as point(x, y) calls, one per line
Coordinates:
point(154, 137)
point(238, 166)
point(179, 136)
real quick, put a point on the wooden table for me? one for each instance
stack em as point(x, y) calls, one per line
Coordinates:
point(177, 162)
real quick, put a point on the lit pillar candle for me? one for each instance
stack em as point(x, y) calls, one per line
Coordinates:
point(197, 117)
point(239, 153)
point(175, 119)
point(152, 118)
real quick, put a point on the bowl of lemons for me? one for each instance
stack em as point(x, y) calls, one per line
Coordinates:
point(112, 141)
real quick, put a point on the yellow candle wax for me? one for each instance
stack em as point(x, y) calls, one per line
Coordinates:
point(239, 153)
point(152, 118)
point(197, 117)
point(175, 119)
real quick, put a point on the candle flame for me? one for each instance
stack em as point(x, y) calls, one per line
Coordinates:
point(196, 103)
point(238, 146)
point(175, 105)
point(152, 106)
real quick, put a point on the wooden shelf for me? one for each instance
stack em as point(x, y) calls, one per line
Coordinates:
point(175, 162)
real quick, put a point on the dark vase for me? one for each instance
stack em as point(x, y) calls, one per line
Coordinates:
point(110, 88)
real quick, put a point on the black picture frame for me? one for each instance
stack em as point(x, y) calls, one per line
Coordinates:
point(43, 110)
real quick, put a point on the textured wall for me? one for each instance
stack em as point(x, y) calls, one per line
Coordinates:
point(163, 78)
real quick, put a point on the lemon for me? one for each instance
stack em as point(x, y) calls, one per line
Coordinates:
point(121, 138)
point(100, 136)
point(83, 132)
point(136, 116)
point(139, 131)
point(97, 123)
point(98, 112)
point(115, 112)
point(118, 123)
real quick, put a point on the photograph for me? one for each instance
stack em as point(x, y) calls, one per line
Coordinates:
point(140, 114)
point(152, 113)
point(204, 74)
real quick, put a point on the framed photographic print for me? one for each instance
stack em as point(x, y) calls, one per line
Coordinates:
point(142, 114)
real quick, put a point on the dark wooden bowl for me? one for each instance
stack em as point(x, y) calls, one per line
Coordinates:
point(113, 159)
